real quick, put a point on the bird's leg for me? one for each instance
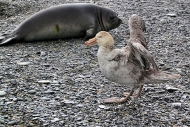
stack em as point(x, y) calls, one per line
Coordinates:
point(118, 100)
point(135, 95)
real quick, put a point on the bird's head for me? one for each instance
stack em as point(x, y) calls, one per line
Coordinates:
point(103, 39)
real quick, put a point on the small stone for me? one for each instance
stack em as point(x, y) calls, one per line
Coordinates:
point(45, 98)
point(31, 91)
point(176, 104)
point(171, 14)
point(163, 20)
point(69, 102)
point(2, 93)
point(81, 76)
point(179, 70)
point(55, 120)
point(36, 115)
point(171, 88)
point(7, 103)
point(44, 81)
point(49, 92)
point(55, 82)
point(11, 123)
point(103, 107)
point(23, 63)
point(80, 105)
point(79, 118)
point(160, 91)
point(46, 65)
point(161, 63)
point(155, 97)
point(2, 121)
point(57, 98)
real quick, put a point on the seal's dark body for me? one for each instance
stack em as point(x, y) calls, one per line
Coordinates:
point(65, 21)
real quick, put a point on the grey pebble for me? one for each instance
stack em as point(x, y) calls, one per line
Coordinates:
point(171, 88)
point(2, 93)
point(79, 118)
point(103, 107)
point(2, 121)
point(44, 81)
point(23, 63)
point(12, 123)
point(176, 104)
point(55, 120)
point(69, 102)
point(172, 14)
point(32, 91)
point(49, 92)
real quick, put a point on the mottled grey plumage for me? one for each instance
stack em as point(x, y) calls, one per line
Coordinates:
point(132, 65)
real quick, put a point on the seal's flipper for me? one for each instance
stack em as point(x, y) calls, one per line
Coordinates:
point(8, 41)
point(90, 33)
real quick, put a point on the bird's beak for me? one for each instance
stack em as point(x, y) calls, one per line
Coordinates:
point(91, 42)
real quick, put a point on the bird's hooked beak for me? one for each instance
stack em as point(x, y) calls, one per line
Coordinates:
point(91, 42)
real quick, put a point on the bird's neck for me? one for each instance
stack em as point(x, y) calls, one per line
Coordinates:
point(106, 49)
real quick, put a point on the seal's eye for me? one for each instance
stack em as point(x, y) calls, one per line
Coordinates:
point(99, 36)
point(112, 17)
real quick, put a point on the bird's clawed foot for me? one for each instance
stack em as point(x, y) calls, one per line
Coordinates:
point(118, 100)
point(114, 100)
point(134, 95)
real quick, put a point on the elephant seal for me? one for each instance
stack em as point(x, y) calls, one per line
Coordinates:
point(64, 21)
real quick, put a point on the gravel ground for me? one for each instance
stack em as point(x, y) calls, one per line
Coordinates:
point(58, 83)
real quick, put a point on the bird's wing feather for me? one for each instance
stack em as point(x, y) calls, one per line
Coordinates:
point(142, 51)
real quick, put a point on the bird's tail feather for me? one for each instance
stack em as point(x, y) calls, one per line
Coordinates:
point(162, 76)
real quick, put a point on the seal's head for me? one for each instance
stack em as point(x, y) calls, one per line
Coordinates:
point(109, 19)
